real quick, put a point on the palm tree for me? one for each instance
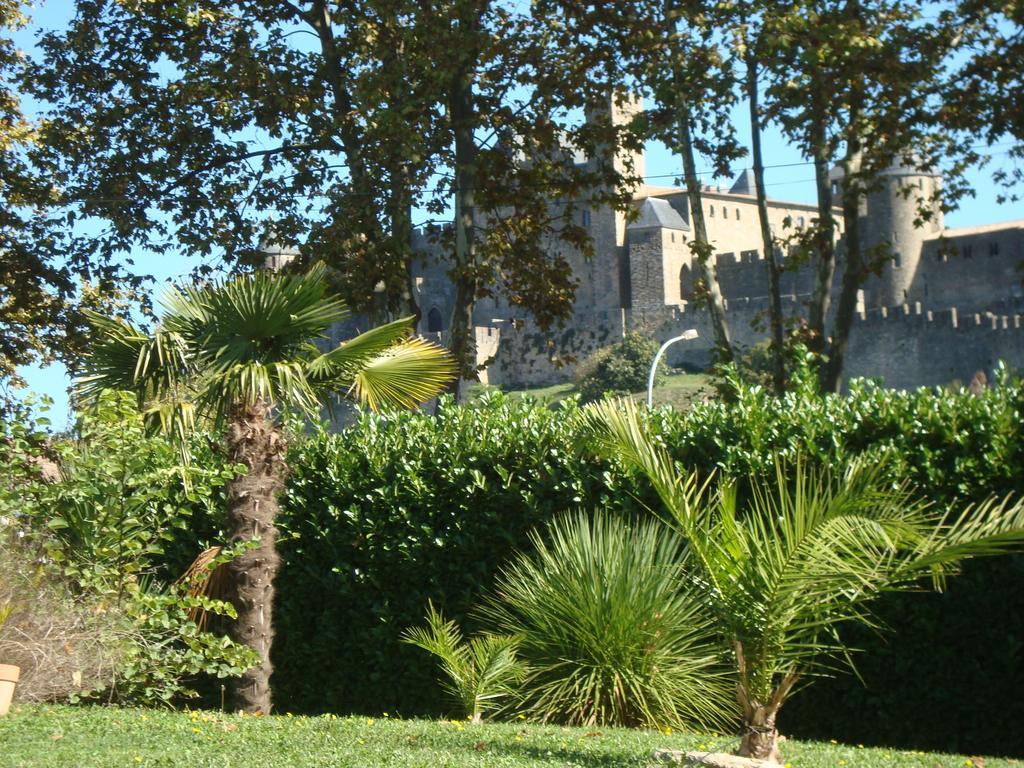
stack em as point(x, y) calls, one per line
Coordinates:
point(806, 553)
point(236, 354)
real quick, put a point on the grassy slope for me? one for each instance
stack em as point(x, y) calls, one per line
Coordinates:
point(678, 390)
point(68, 737)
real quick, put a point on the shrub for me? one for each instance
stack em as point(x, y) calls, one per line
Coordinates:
point(619, 369)
point(397, 511)
point(65, 648)
point(97, 528)
point(807, 554)
point(608, 629)
point(480, 673)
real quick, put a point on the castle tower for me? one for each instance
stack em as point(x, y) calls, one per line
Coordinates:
point(607, 272)
point(889, 227)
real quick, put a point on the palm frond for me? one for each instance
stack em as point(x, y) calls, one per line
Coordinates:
point(404, 375)
point(809, 551)
point(248, 341)
point(343, 362)
point(477, 674)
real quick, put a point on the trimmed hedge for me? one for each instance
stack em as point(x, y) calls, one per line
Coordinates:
point(395, 511)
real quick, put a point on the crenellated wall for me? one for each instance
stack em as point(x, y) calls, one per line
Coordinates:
point(643, 273)
point(904, 346)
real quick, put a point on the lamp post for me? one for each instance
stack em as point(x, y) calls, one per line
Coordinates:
point(684, 336)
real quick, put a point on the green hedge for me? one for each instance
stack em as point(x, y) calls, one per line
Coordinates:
point(396, 511)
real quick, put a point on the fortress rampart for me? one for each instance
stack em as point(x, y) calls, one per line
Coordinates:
point(904, 346)
point(939, 305)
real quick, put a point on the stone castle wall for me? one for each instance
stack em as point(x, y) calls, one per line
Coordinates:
point(904, 347)
point(642, 277)
point(974, 271)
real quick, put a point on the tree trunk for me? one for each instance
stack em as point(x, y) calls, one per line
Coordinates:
point(700, 245)
point(853, 271)
point(760, 736)
point(824, 236)
point(402, 239)
point(254, 441)
point(462, 115)
point(703, 248)
point(767, 242)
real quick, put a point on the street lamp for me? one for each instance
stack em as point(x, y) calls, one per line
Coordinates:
point(684, 336)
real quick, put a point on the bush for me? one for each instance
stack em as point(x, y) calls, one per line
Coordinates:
point(97, 527)
point(619, 369)
point(399, 510)
point(479, 673)
point(65, 648)
point(608, 629)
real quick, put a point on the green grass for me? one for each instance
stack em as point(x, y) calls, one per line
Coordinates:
point(680, 390)
point(82, 737)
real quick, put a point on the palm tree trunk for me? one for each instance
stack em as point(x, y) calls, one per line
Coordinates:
point(254, 441)
point(760, 739)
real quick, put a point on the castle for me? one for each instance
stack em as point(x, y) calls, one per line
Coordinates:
point(946, 304)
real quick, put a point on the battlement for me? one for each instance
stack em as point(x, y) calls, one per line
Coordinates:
point(734, 260)
point(913, 315)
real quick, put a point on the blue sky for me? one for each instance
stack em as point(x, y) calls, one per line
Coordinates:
point(792, 182)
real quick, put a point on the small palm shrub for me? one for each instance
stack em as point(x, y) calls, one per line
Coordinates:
point(807, 551)
point(608, 629)
point(478, 674)
point(619, 369)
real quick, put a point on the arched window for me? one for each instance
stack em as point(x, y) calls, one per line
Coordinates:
point(685, 284)
point(434, 322)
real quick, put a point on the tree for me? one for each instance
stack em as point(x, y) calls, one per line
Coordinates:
point(806, 552)
point(46, 276)
point(751, 91)
point(982, 93)
point(237, 354)
point(699, 86)
point(215, 127)
point(669, 50)
point(857, 84)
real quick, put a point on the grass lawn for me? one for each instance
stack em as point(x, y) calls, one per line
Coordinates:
point(73, 737)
